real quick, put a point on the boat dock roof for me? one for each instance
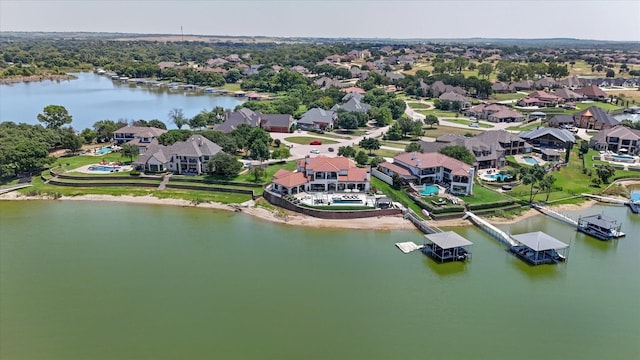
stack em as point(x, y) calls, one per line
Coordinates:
point(600, 220)
point(539, 241)
point(448, 240)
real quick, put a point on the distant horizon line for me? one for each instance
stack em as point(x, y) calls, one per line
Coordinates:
point(318, 37)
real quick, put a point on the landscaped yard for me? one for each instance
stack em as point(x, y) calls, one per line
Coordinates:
point(483, 195)
point(507, 96)
point(380, 152)
point(526, 127)
point(605, 106)
point(417, 105)
point(396, 195)
point(440, 130)
point(439, 113)
point(469, 122)
point(305, 140)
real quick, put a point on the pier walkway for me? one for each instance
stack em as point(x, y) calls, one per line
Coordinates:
point(500, 235)
point(556, 215)
point(13, 188)
point(607, 199)
point(422, 225)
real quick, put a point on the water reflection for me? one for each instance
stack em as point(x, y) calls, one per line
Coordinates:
point(447, 269)
point(539, 272)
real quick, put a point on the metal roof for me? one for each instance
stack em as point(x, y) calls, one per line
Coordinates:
point(448, 240)
point(539, 241)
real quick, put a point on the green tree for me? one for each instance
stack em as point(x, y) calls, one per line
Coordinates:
point(361, 158)
point(347, 120)
point(258, 172)
point(394, 133)
point(54, 116)
point(225, 165)
point(413, 146)
point(396, 181)
point(346, 151)
point(605, 172)
point(530, 176)
point(198, 122)
point(458, 152)
point(369, 144)
point(176, 116)
point(431, 120)
point(376, 161)
point(88, 135)
point(71, 141)
point(130, 151)
point(546, 184)
point(406, 124)
point(157, 124)
point(258, 150)
point(417, 128)
point(280, 153)
point(105, 128)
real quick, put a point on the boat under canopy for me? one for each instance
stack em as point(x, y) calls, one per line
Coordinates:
point(539, 248)
point(447, 246)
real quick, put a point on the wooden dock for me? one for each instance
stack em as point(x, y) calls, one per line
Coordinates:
point(409, 246)
point(498, 234)
point(13, 188)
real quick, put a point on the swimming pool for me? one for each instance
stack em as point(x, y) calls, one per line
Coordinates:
point(104, 150)
point(346, 201)
point(625, 158)
point(429, 190)
point(529, 160)
point(104, 168)
point(635, 195)
point(499, 177)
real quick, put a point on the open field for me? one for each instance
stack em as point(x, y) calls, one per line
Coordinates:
point(631, 95)
point(507, 96)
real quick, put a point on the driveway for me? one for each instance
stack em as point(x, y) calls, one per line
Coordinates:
point(299, 151)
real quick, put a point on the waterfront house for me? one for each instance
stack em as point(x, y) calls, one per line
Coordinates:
point(318, 119)
point(183, 157)
point(549, 137)
point(432, 168)
point(594, 118)
point(322, 174)
point(140, 136)
point(619, 139)
point(233, 119)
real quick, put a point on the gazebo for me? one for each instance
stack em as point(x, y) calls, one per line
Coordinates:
point(447, 246)
point(539, 248)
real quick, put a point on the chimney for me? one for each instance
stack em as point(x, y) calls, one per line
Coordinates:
point(306, 160)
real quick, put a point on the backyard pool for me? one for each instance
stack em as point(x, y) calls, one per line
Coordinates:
point(624, 158)
point(104, 168)
point(104, 150)
point(429, 190)
point(529, 160)
point(635, 195)
point(498, 177)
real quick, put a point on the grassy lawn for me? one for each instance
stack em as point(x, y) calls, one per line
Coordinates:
point(336, 136)
point(417, 105)
point(439, 113)
point(508, 96)
point(441, 130)
point(571, 180)
point(468, 122)
point(483, 195)
point(380, 152)
point(628, 94)
point(396, 195)
point(526, 127)
point(231, 87)
point(605, 106)
point(305, 140)
point(395, 144)
point(74, 162)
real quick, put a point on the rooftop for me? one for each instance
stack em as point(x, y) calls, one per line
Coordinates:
point(448, 240)
point(539, 241)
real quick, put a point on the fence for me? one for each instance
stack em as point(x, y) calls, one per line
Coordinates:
point(382, 176)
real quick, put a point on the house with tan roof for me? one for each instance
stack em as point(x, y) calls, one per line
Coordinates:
point(183, 157)
point(619, 139)
point(141, 136)
point(432, 168)
point(592, 92)
point(594, 118)
point(322, 174)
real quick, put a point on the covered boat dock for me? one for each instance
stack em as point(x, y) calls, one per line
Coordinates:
point(600, 226)
point(447, 246)
point(539, 248)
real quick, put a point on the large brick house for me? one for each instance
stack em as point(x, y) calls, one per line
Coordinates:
point(594, 118)
point(183, 157)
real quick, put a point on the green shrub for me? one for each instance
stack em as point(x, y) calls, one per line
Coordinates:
point(134, 172)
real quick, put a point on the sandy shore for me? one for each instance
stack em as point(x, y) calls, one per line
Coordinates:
point(296, 219)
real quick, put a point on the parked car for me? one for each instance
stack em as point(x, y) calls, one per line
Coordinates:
point(367, 132)
point(315, 151)
point(315, 142)
point(318, 131)
point(330, 149)
point(474, 125)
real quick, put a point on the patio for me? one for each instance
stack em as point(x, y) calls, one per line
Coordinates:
point(337, 199)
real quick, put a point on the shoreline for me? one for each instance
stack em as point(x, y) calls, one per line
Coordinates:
point(292, 218)
point(34, 78)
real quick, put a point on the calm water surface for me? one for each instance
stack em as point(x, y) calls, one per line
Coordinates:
point(91, 98)
point(81, 280)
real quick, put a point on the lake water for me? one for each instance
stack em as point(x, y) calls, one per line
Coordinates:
point(84, 280)
point(91, 98)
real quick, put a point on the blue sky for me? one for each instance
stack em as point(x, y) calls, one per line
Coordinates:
point(586, 19)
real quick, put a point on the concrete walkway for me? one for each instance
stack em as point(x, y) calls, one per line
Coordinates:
point(165, 181)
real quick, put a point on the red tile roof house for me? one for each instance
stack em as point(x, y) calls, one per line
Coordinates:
point(540, 99)
point(321, 174)
point(454, 175)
